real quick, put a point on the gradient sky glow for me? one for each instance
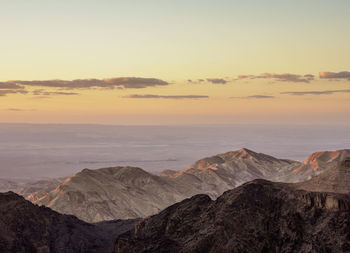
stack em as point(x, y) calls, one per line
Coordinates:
point(175, 41)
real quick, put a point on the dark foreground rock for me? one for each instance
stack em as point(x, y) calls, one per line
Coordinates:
point(27, 228)
point(259, 216)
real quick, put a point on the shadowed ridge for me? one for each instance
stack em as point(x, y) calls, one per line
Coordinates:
point(25, 227)
point(258, 216)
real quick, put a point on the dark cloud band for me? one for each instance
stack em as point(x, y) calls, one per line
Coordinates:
point(6, 92)
point(51, 93)
point(165, 97)
point(255, 97)
point(217, 80)
point(323, 92)
point(10, 86)
point(119, 82)
point(287, 77)
point(335, 75)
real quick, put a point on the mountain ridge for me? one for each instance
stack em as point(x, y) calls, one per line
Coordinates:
point(130, 192)
point(335, 179)
point(25, 227)
point(318, 162)
point(258, 216)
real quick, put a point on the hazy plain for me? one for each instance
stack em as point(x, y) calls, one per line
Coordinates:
point(41, 151)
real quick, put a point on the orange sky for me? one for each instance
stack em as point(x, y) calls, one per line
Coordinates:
point(143, 55)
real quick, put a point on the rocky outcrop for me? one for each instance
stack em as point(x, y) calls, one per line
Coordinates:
point(28, 228)
point(259, 216)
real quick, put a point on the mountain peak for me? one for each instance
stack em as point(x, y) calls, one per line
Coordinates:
point(246, 151)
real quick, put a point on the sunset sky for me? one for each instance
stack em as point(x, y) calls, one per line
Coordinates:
point(175, 62)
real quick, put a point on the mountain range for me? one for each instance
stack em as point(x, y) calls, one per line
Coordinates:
point(259, 216)
point(255, 216)
point(130, 192)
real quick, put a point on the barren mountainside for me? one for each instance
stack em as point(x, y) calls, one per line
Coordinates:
point(28, 187)
point(111, 193)
point(129, 192)
point(335, 179)
point(231, 169)
point(316, 163)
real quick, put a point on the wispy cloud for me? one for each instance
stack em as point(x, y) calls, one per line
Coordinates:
point(20, 86)
point(51, 93)
point(217, 80)
point(10, 86)
point(323, 92)
point(165, 97)
point(255, 97)
point(335, 75)
point(6, 92)
point(287, 77)
point(119, 82)
point(19, 110)
point(196, 81)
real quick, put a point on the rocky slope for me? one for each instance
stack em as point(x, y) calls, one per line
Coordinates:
point(27, 228)
point(229, 170)
point(335, 179)
point(29, 187)
point(129, 192)
point(118, 192)
point(316, 163)
point(259, 216)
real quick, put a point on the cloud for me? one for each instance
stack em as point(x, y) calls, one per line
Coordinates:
point(256, 97)
point(217, 80)
point(165, 97)
point(287, 77)
point(196, 81)
point(335, 75)
point(324, 92)
point(51, 93)
point(18, 110)
point(10, 86)
point(260, 96)
point(6, 92)
point(119, 82)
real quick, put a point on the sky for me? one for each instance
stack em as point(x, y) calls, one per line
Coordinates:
point(175, 62)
